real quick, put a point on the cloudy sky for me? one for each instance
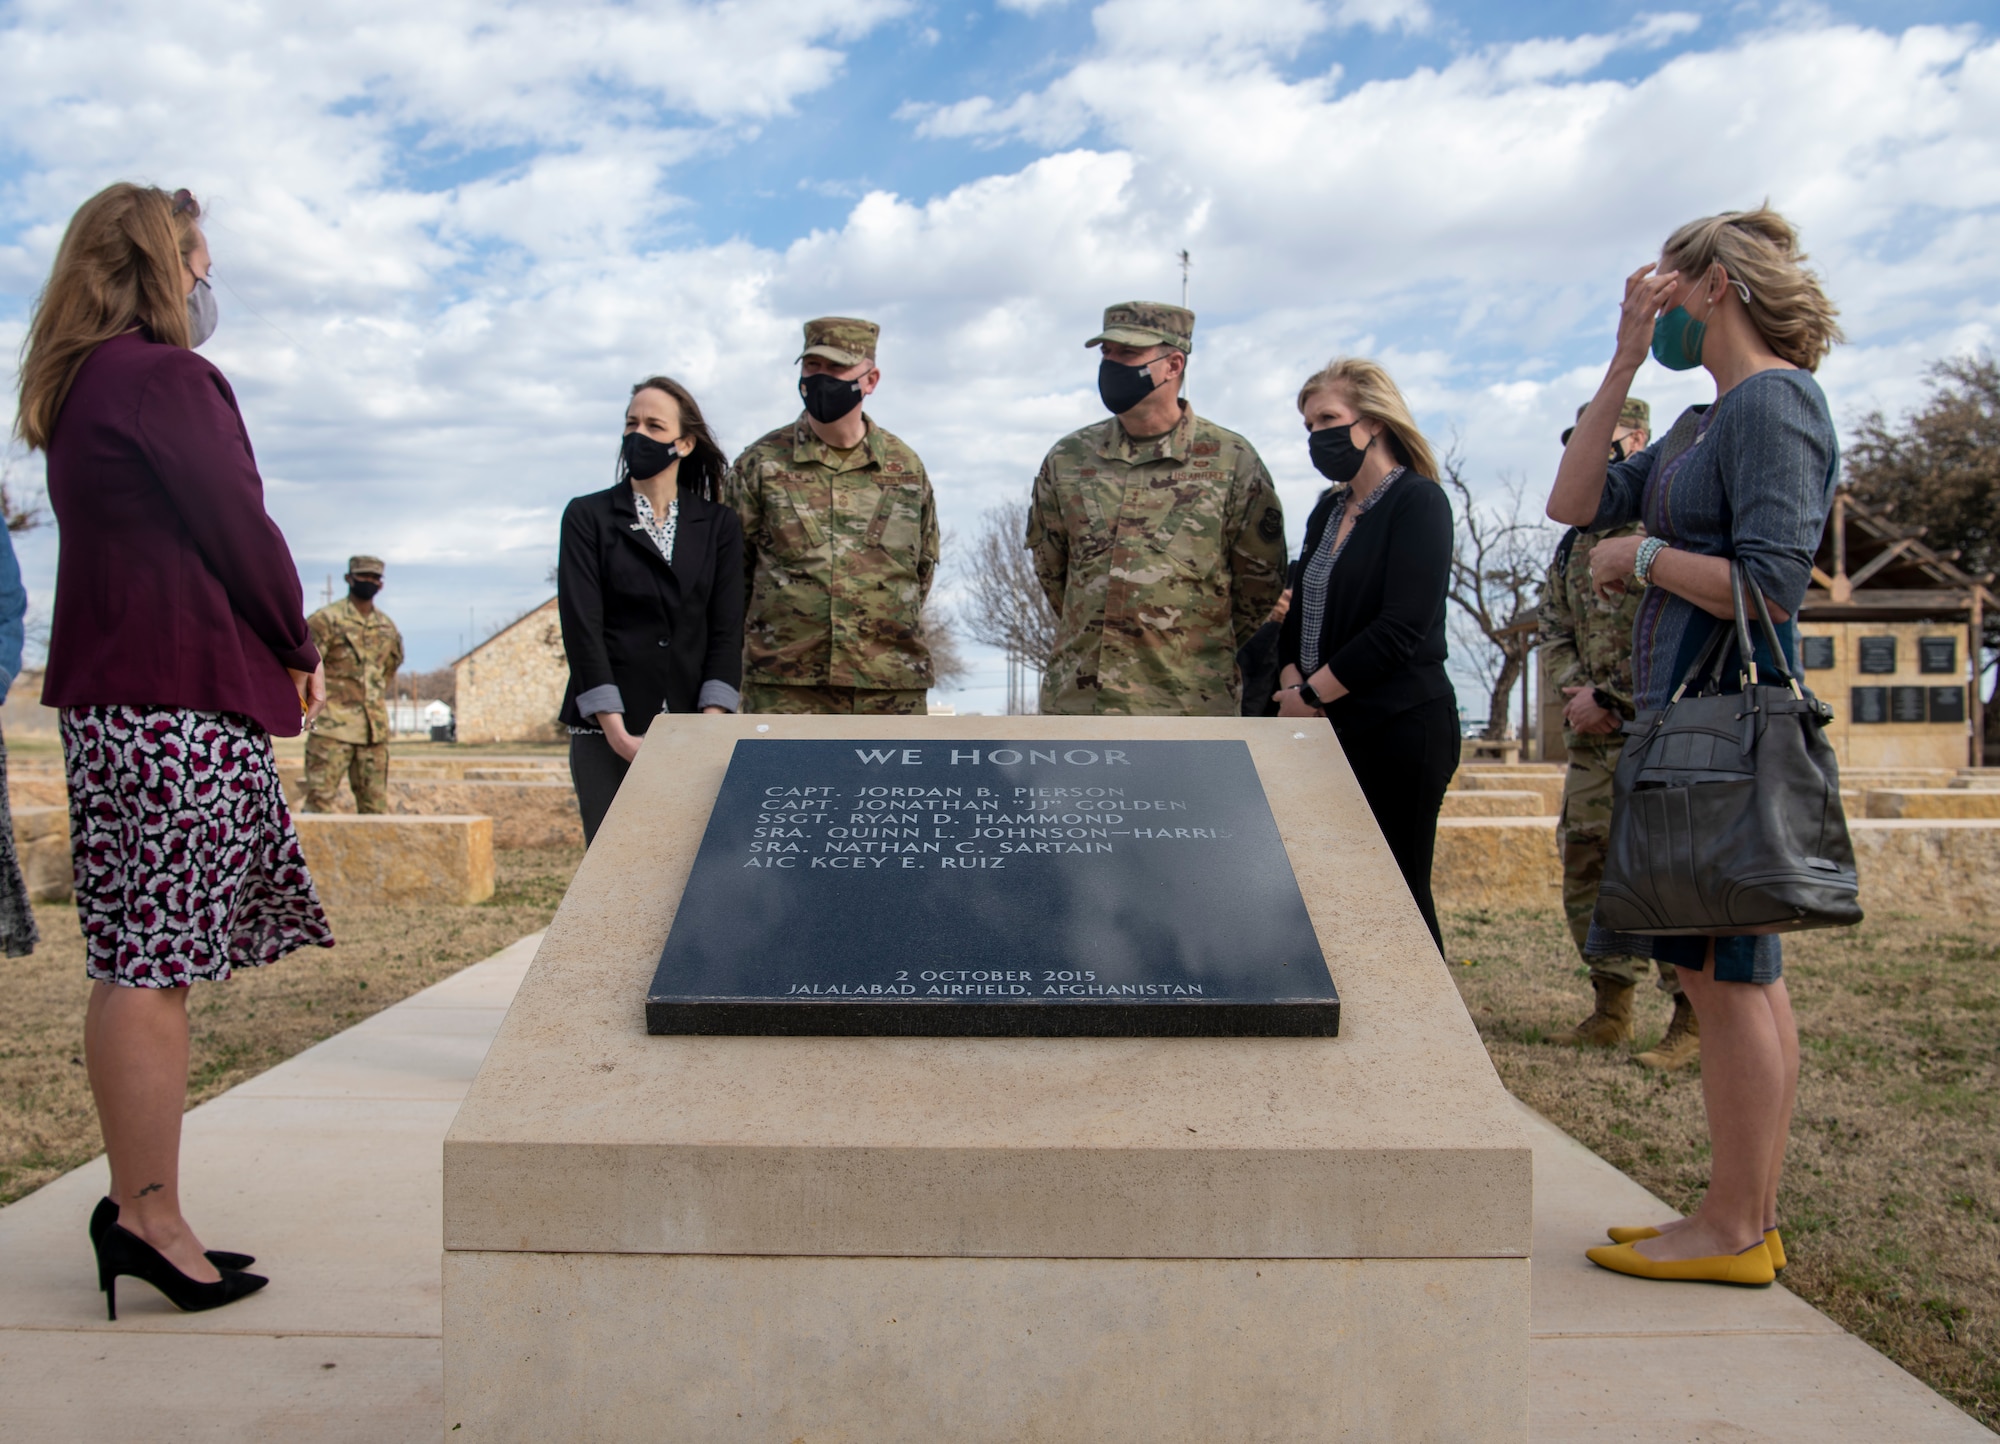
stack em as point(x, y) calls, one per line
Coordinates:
point(447, 237)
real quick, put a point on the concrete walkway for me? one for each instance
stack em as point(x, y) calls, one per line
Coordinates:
point(328, 1165)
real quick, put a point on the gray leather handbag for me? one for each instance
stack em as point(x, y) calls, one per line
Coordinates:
point(1725, 814)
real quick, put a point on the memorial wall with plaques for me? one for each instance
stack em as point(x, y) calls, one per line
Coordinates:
point(992, 888)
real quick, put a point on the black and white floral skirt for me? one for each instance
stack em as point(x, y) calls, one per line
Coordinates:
point(187, 865)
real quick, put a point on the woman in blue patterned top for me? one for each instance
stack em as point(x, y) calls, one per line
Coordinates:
point(1748, 477)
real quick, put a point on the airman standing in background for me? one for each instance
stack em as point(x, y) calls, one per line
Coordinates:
point(840, 543)
point(362, 650)
point(1157, 535)
point(1588, 642)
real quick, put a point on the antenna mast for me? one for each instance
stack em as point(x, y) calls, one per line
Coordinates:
point(1187, 264)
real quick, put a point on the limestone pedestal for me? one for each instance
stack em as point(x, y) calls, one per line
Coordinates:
point(887, 1239)
point(386, 858)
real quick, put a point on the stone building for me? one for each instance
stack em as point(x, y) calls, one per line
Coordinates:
point(510, 686)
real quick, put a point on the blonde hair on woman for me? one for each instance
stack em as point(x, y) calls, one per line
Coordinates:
point(1760, 249)
point(119, 266)
point(1368, 389)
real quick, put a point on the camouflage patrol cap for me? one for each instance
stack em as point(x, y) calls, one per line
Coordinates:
point(841, 340)
point(1634, 415)
point(364, 566)
point(1147, 323)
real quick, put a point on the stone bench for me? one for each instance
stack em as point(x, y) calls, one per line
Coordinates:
point(1494, 804)
point(1506, 864)
point(1866, 779)
point(1931, 867)
point(1938, 868)
point(534, 813)
point(1933, 802)
point(1548, 784)
point(390, 859)
point(41, 838)
point(525, 814)
point(1507, 749)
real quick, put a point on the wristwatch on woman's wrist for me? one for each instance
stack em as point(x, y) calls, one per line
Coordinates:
point(1310, 697)
point(1642, 564)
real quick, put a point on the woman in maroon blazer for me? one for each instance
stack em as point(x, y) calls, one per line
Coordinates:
point(179, 647)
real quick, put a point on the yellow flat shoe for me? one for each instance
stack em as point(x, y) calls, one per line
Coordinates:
point(1750, 1269)
point(1777, 1247)
point(1630, 1235)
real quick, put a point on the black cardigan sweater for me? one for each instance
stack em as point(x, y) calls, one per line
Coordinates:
point(1385, 605)
point(655, 633)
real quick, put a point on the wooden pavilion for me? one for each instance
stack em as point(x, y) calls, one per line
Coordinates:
point(1890, 633)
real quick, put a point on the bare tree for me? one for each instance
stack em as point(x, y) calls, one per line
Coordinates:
point(939, 632)
point(1004, 604)
point(1499, 560)
point(21, 507)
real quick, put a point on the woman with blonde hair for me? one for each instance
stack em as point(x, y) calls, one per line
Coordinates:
point(1747, 478)
point(1363, 644)
point(179, 647)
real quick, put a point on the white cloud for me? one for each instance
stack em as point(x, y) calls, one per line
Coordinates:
point(469, 239)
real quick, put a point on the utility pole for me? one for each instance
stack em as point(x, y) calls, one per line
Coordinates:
point(327, 594)
point(1187, 264)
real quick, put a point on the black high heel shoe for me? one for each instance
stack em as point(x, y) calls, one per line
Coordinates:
point(106, 1214)
point(120, 1251)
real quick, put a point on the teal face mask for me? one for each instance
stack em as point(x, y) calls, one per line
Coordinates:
point(1677, 338)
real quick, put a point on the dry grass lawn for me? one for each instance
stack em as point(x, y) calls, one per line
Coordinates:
point(257, 1019)
point(1892, 1191)
point(1891, 1200)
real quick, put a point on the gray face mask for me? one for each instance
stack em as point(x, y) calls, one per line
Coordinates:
point(201, 313)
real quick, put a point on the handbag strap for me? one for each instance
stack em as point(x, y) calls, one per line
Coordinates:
point(1739, 581)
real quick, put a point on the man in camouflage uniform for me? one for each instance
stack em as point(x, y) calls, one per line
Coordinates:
point(840, 543)
point(1157, 535)
point(1588, 643)
point(362, 650)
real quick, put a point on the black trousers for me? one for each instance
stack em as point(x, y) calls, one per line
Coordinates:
point(1404, 766)
point(597, 772)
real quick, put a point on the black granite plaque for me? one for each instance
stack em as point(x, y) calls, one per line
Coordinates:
point(1870, 704)
point(1947, 704)
point(1906, 704)
point(1816, 653)
point(1050, 889)
point(1877, 655)
point(1937, 654)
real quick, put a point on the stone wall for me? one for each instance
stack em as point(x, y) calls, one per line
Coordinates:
point(510, 687)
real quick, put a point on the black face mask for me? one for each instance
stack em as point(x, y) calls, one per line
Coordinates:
point(1617, 452)
point(828, 398)
point(1334, 454)
point(363, 591)
point(646, 458)
point(1123, 387)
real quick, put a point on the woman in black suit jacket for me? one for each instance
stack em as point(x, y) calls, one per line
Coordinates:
point(645, 634)
point(1364, 642)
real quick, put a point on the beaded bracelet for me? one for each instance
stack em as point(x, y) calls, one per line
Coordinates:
point(1642, 564)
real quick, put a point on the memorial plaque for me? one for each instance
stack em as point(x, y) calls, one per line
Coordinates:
point(1877, 655)
point(1937, 654)
point(1816, 653)
point(1906, 704)
point(1947, 704)
point(1870, 704)
point(989, 888)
